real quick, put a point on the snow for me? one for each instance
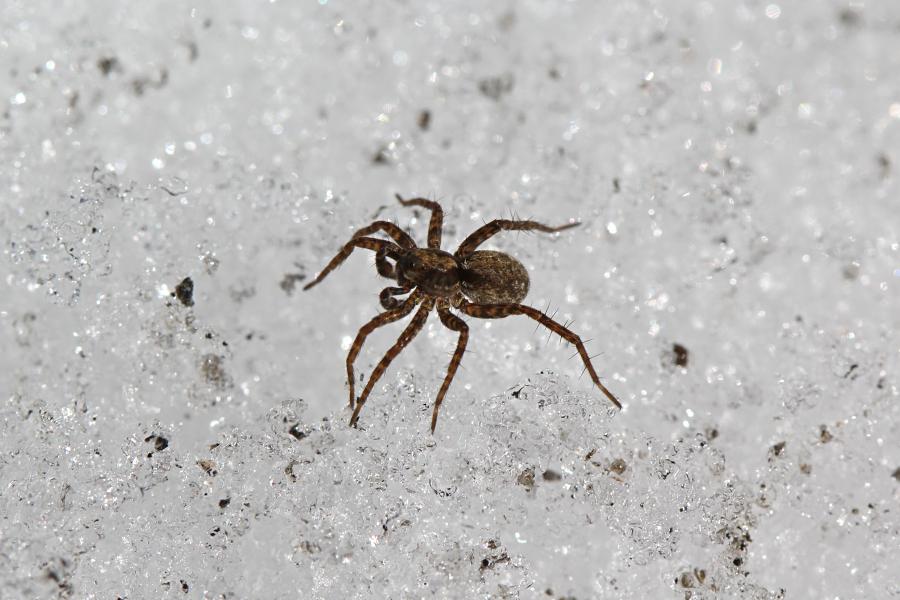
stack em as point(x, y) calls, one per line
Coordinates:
point(733, 167)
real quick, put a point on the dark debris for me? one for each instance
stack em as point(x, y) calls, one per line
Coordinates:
point(551, 475)
point(778, 449)
point(424, 120)
point(680, 355)
point(159, 443)
point(289, 282)
point(496, 87)
point(526, 479)
point(109, 64)
point(184, 291)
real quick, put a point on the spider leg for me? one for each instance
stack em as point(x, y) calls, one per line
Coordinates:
point(498, 311)
point(436, 224)
point(387, 299)
point(379, 321)
point(414, 327)
point(402, 238)
point(356, 242)
point(483, 233)
point(453, 322)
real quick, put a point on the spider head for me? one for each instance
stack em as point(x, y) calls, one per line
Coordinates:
point(433, 271)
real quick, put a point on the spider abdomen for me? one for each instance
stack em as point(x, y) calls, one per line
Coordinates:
point(491, 277)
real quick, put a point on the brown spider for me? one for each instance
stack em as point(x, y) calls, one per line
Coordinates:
point(480, 283)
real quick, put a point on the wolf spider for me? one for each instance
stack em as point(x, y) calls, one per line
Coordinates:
point(480, 283)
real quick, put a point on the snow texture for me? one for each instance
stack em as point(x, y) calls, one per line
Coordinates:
point(733, 166)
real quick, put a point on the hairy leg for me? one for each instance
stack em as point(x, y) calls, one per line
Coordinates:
point(368, 243)
point(402, 238)
point(498, 311)
point(414, 327)
point(483, 233)
point(437, 218)
point(379, 321)
point(453, 322)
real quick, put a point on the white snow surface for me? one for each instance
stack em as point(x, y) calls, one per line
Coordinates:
point(734, 169)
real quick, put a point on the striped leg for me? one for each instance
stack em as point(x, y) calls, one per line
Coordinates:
point(358, 242)
point(364, 331)
point(453, 322)
point(414, 327)
point(402, 238)
point(436, 224)
point(483, 233)
point(498, 311)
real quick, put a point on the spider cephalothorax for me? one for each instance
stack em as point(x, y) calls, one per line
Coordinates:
point(479, 283)
point(431, 270)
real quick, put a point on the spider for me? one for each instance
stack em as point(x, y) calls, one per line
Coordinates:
point(480, 283)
